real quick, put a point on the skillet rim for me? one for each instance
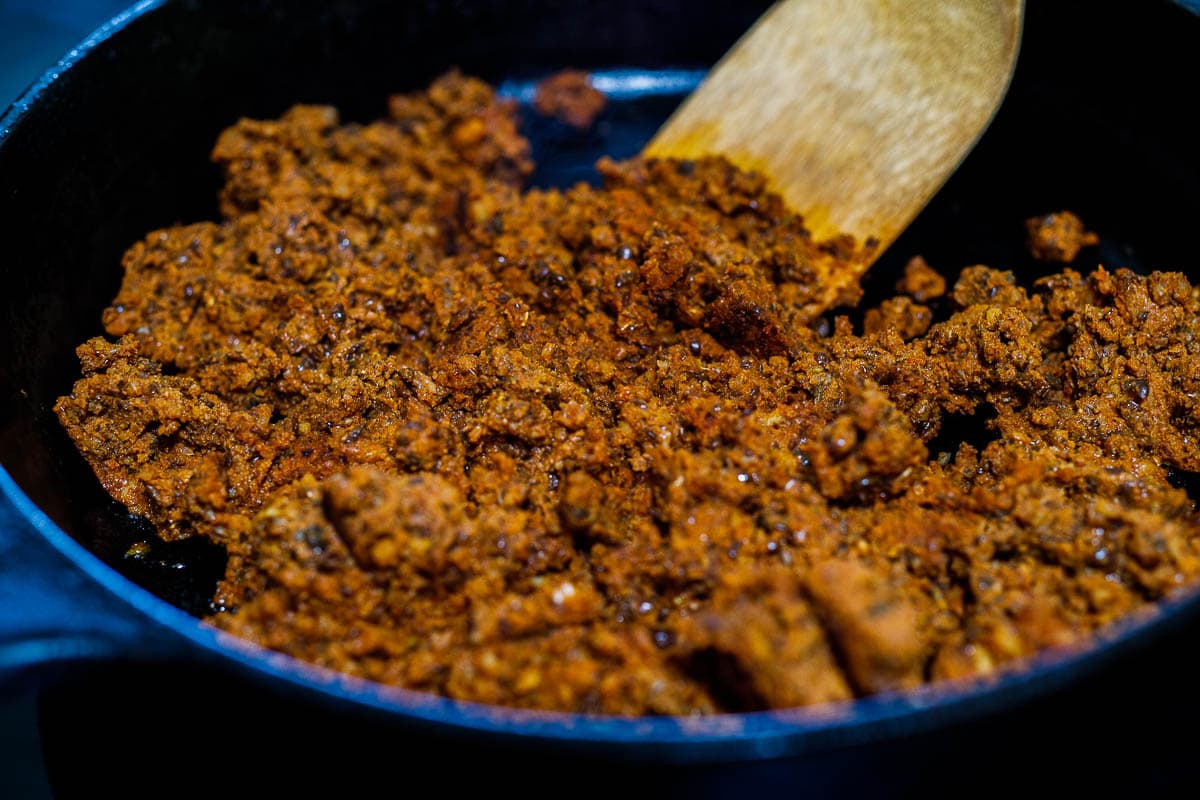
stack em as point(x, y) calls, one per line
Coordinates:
point(721, 737)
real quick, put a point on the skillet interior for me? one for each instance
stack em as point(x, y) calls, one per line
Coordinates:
point(120, 147)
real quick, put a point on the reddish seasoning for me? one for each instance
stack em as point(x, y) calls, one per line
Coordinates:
point(1058, 238)
point(570, 97)
point(601, 450)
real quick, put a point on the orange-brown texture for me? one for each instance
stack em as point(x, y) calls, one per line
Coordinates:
point(570, 97)
point(1058, 238)
point(587, 450)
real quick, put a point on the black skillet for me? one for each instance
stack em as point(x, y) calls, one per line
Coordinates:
point(114, 141)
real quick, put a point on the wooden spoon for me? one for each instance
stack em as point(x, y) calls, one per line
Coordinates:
point(857, 111)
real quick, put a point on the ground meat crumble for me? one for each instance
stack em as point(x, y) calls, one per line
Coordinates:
point(589, 450)
point(570, 97)
point(1058, 238)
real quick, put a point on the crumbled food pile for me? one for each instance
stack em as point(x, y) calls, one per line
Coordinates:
point(605, 450)
point(1058, 238)
point(569, 97)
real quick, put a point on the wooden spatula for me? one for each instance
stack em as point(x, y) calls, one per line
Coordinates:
point(857, 111)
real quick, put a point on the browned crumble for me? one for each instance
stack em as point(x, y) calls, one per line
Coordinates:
point(570, 97)
point(1058, 238)
point(920, 281)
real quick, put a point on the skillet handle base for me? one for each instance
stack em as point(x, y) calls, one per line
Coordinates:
point(53, 615)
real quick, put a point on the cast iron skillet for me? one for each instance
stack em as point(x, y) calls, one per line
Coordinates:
point(113, 142)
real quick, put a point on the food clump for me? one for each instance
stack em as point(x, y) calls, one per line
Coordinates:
point(1058, 238)
point(570, 97)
